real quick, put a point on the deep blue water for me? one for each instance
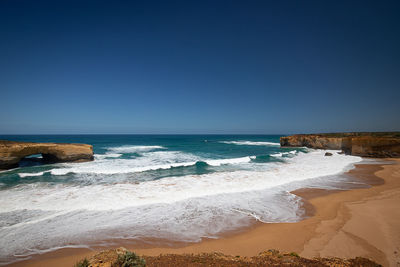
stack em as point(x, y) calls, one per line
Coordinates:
point(206, 144)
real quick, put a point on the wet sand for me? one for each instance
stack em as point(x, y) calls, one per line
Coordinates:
point(360, 222)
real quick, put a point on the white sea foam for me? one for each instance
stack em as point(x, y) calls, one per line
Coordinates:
point(23, 175)
point(36, 156)
point(280, 154)
point(219, 162)
point(250, 143)
point(184, 208)
point(133, 149)
point(148, 161)
point(188, 221)
point(171, 189)
point(155, 160)
point(107, 155)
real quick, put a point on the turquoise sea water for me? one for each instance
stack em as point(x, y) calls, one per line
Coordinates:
point(148, 151)
point(156, 187)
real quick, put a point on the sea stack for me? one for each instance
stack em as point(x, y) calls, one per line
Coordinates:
point(12, 152)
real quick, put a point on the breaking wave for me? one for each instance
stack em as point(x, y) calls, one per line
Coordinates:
point(118, 166)
point(250, 143)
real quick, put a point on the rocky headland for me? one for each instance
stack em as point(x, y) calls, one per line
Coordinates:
point(11, 153)
point(377, 145)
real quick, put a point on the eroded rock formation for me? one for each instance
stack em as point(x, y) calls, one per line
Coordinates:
point(12, 152)
point(377, 145)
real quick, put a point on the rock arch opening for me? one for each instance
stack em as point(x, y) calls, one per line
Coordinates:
point(31, 160)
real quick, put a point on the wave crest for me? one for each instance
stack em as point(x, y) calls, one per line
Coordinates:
point(250, 143)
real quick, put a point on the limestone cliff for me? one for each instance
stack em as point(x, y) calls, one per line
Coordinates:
point(378, 145)
point(12, 152)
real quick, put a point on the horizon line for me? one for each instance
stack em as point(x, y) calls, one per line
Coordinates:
point(22, 134)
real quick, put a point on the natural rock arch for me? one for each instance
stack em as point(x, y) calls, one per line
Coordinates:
point(11, 152)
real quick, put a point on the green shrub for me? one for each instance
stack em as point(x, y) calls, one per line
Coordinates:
point(130, 259)
point(82, 263)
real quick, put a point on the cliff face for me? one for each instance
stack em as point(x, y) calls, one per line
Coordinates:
point(312, 141)
point(12, 152)
point(365, 145)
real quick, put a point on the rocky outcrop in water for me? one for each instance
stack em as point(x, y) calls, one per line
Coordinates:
point(11, 152)
point(377, 145)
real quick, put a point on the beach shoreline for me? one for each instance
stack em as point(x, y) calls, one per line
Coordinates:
point(358, 222)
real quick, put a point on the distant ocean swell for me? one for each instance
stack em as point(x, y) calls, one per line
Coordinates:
point(184, 196)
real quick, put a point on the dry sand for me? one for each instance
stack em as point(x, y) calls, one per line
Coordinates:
point(360, 222)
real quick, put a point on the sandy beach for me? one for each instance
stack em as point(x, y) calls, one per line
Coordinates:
point(199, 133)
point(360, 222)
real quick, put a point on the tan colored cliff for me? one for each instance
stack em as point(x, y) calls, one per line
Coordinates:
point(12, 152)
point(377, 145)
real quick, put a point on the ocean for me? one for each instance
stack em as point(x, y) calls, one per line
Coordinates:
point(157, 188)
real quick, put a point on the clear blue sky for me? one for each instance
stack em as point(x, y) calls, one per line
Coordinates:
point(199, 66)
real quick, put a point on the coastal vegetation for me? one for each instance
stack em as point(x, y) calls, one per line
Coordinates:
point(129, 259)
point(82, 263)
point(124, 258)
